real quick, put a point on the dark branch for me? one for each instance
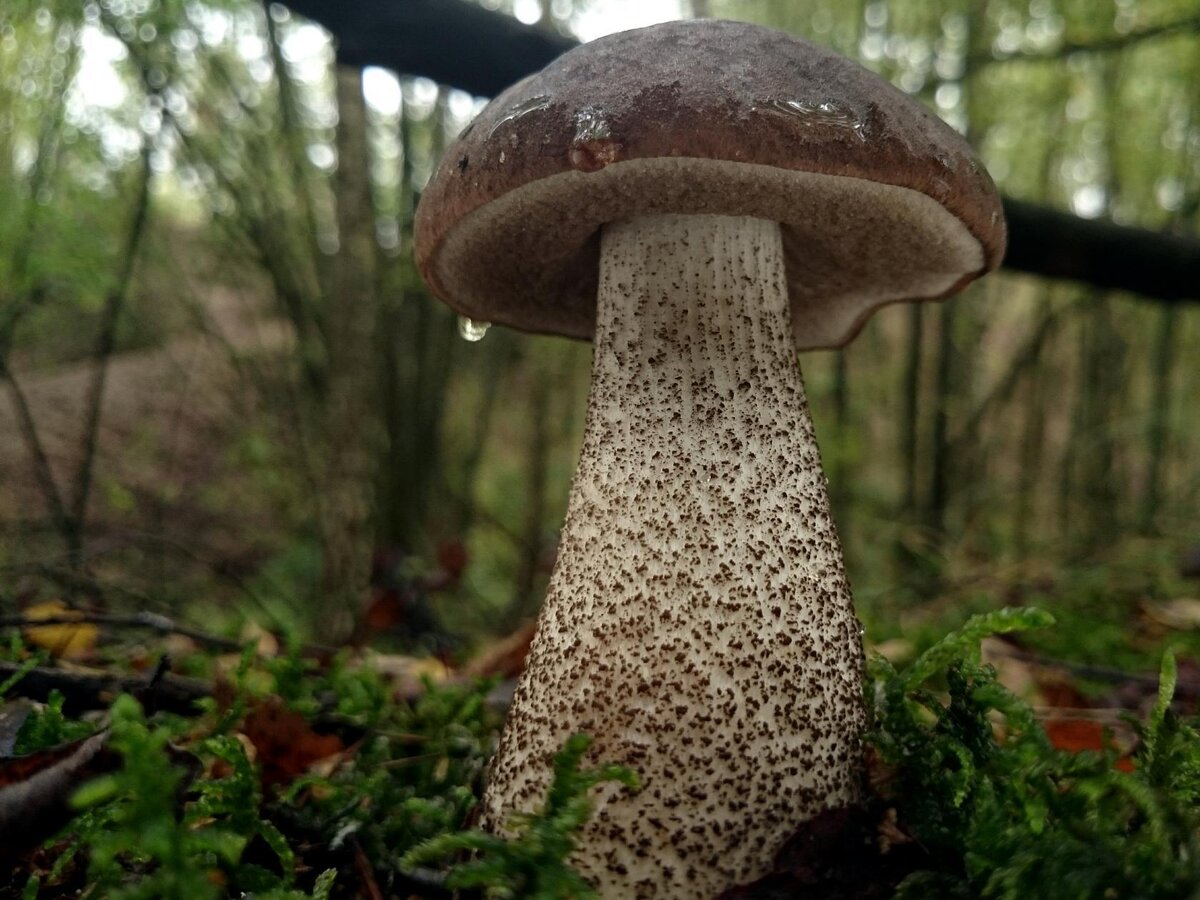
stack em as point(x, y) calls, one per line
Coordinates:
point(1053, 244)
point(453, 42)
point(83, 691)
point(483, 52)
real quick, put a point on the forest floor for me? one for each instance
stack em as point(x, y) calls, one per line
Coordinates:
point(168, 418)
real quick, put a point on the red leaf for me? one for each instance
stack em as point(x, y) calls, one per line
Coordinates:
point(1076, 735)
point(285, 743)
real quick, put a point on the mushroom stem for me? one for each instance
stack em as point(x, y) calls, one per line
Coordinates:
point(698, 624)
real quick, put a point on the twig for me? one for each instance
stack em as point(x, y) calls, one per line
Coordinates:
point(1104, 45)
point(37, 451)
point(1003, 389)
point(1108, 674)
point(84, 691)
point(105, 343)
point(152, 622)
point(61, 574)
point(366, 873)
point(1109, 715)
point(78, 582)
point(148, 620)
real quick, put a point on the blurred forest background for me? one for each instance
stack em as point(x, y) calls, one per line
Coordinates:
point(225, 393)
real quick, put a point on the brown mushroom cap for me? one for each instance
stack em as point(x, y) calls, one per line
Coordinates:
point(878, 199)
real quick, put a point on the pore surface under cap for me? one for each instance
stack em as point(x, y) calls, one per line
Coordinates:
point(850, 245)
point(573, 145)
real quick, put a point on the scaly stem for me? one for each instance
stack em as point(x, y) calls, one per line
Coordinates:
point(698, 624)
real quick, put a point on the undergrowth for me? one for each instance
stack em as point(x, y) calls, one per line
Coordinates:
point(1001, 813)
point(963, 769)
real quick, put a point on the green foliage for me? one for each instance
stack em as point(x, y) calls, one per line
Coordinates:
point(235, 800)
point(150, 830)
point(134, 820)
point(46, 726)
point(413, 777)
point(1002, 814)
point(357, 693)
point(997, 811)
point(533, 863)
point(1100, 606)
point(25, 668)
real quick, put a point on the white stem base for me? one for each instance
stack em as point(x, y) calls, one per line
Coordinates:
point(698, 624)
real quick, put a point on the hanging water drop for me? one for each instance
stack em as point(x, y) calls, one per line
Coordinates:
point(470, 330)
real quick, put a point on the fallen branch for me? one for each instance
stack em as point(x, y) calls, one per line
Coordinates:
point(85, 691)
point(1054, 244)
point(453, 42)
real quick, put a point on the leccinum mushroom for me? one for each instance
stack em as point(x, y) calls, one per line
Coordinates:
point(699, 198)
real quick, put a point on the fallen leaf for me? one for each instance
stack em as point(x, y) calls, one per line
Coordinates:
point(64, 641)
point(35, 790)
point(1015, 674)
point(505, 657)
point(1182, 613)
point(266, 643)
point(1079, 734)
point(285, 743)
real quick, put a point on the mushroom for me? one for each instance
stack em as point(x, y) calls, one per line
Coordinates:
point(700, 199)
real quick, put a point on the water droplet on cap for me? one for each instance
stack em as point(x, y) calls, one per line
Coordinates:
point(524, 108)
point(471, 330)
point(826, 113)
point(590, 125)
point(592, 147)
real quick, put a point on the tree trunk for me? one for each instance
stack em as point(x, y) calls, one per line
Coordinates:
point(348, 414)
point(1165, 347)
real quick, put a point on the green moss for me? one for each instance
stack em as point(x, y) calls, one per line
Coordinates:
point(969, 774)
point(533, 863)
point(1001, 813)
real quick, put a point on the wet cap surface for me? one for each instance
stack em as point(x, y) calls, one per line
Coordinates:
point(878, 199)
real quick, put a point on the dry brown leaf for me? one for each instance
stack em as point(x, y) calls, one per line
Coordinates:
point(1015, 674)
point(505, 657)
point(285, 743)
point(1182, 613)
